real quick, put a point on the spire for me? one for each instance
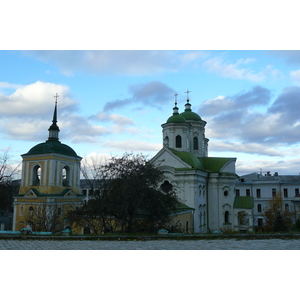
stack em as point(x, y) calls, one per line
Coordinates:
point(188, 105)
point(53, 129)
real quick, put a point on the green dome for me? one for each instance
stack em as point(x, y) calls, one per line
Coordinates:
point(52, 147)
point(176, 118)
point(189, 115)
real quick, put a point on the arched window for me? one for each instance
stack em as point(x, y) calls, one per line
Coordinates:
point(286, 206)
point(259, 207)
point(195, 143)
point(166, 141)
point(243, 218)
point(226, 217)
point(178, 141)
point(36, 175)
point(66, 176)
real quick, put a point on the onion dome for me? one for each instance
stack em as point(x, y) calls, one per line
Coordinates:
point(188, 114)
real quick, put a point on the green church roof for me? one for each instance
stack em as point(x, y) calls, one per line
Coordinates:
point(176, 118)
point(206, 164)
point(190, 115)
point(52, 147)
point(243, 202)
point(189, 158)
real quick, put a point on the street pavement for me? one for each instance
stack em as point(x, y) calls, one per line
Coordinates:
point(218, 244)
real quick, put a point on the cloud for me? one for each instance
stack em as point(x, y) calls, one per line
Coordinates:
point(249, 119)
point(292, 57)
point(131, 145)
point(236, 71)
point(115, 118)
point(35, 99)
point(250, 148)
point(154, 93)
point(118, 62)
point(295, 76)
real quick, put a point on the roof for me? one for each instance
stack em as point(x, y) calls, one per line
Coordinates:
point(189, 158)
point(214, 164)
point(39, 194)
point(243, 202)
point(206, 164)
point(189, 115)
point(52, 147)
point(176, 118)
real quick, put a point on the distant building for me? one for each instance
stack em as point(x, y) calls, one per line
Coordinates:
point(204, 184)
point(50, 184)
point(263, 187)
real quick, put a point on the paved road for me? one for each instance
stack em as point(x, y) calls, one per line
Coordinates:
point(222, 244)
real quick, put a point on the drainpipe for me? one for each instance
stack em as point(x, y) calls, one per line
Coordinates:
point(206, 194)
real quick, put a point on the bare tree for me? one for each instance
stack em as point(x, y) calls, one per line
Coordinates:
point(127, 195)
point(46, 216)
point(7, 186)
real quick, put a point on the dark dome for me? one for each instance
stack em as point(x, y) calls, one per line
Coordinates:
point(52, 147)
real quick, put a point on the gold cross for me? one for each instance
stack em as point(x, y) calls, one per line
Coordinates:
point(56, 96)
point(175, 98)
point(187, 96)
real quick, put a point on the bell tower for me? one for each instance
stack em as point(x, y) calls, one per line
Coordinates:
point(50, 184)
point(176, 131)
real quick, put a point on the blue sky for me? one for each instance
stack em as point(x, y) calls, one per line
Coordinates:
point(115, 101)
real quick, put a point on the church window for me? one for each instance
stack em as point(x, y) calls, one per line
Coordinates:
point(195, 143)
point(178, 141)
point(166, 141)
point(258, 207)
point(66, 176)
point(36, 175)
point(166, 186)
point(226, 217)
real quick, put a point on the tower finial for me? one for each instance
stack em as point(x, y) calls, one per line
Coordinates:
point(53, 129)
point(175, 98)
point(187, 96)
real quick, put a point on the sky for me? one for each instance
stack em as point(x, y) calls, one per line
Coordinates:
point(114, 101)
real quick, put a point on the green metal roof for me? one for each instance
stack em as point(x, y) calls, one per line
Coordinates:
point(39, 194)
point(189, 115)
point(243, 202)
point(206, 164)
point(52, 147)
point(176, 118)
point(214, 164)
point(189, 158)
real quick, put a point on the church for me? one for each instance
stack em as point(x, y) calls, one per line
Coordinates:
point(50, 185)
point(204, 184)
